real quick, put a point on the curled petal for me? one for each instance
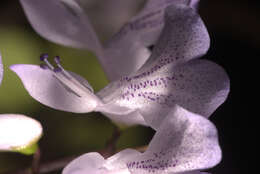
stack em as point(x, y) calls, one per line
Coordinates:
point(18, 132)
point(1, 69)
point(48, 90)
point(184, 142)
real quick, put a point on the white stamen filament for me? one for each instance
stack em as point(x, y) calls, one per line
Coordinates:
point(72, 84)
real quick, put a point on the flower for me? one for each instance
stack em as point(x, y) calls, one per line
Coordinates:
point(17, 131)
point(184, 143)
point(171, 76)
point(65, 22)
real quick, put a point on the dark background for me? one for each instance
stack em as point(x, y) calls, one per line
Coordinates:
point(234, 27)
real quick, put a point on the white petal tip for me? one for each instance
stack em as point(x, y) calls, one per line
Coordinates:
point(18, 132)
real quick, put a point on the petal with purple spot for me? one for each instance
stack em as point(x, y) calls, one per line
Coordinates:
point(184, 142)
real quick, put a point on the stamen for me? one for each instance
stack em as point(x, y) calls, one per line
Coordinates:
point(57, 60)
point(69, 82)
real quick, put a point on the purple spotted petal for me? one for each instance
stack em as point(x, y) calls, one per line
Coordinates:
point(198, 85)
point(184, 142)
point(1, 69)
point(129, 46)
point(44, 87)
point(183, 38)
point(119, 160)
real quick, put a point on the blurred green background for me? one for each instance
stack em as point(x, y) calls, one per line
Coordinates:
point(235, 44)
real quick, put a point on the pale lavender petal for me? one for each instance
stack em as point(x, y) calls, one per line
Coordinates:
point(114, 110)
point(124, 59)
point(108, 17)
point(194, 4)
point(1, 69)
point(119, 160)
point(184, 37)
point(129, 46)
point(87, 163)
point(45, 88)
point(198, 85)
point(131, 118)
point(62, 22)
point(184, 142)
point(18, 131)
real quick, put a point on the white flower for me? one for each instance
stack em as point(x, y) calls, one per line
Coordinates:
point(18, 132)
point(172, 75)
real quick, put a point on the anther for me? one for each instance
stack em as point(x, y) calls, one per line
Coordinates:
point(57, 59)
point(57, 69)
point(44, 66)
point(44, 56)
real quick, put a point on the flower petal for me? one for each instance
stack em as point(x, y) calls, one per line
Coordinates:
point(18, 131)
point(87, 163)
point(184, 142)
point(129, 46)
point(198, 85)
point(45, 88)
point(62, 22)
point(119, 160)
point(131, 118)
point(184, 37)
point(1, 69)
point(94, 163)
point(108, 18)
